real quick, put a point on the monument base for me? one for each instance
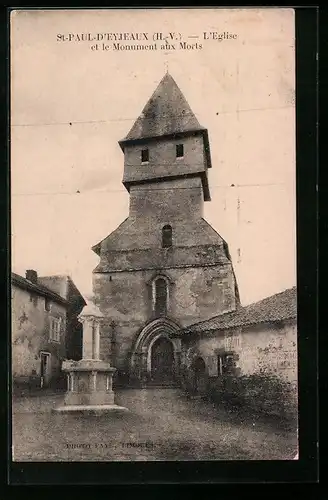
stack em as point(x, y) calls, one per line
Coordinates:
point(90, 409)
point(89, 398)
point(89, 388)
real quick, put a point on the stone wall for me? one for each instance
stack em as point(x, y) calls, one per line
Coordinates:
point(195, 294)
point(30, 335)
point(169, 200)
point(58, 284)
point(162, 158)
point(264, 372)
point(269, 347)
point(178, 203)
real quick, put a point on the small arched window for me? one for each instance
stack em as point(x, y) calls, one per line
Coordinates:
point(167, 236)
point(161, 297)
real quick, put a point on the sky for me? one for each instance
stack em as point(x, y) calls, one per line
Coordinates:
point(71, 104)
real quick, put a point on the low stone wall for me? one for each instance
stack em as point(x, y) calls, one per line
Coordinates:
point(258, 393)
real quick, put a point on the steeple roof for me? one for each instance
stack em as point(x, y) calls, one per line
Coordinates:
point(167, 112)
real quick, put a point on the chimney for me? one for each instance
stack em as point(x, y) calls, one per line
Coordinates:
point(31, 275)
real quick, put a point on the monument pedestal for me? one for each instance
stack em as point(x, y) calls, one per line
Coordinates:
point(90, 380)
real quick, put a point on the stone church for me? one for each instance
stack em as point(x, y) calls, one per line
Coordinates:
point(164, 267)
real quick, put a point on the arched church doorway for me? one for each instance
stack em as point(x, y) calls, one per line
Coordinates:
point(155, 357)
point(199, 370)
point(162, 361)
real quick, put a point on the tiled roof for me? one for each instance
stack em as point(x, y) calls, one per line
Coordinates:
point(37, 288)
point(278, 307)
point(167, 112)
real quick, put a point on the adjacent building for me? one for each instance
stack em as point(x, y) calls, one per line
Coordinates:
point(42, 319)
point(64, 286)
point(258, 339)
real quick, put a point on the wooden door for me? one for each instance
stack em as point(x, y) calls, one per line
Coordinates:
point(162, 361)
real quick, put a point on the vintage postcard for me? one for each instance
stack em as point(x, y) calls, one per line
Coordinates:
point(153, 198)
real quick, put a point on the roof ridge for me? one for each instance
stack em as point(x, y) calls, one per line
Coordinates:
point(66, 276)
point(271, 296)
point(54, 276)
point(36, 286)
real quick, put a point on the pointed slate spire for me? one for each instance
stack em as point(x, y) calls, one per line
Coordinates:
point(167, 112)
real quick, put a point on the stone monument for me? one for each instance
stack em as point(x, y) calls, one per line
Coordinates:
point(89, 381)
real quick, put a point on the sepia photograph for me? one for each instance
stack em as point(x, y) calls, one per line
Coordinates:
point(153, 235)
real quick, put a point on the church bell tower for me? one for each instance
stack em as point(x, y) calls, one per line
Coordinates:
point(164, 267)
point(167, 143)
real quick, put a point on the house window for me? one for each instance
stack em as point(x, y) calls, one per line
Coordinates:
point(144, 155)
point(46, 304)
point(55, 324)
point(179, 150)
point(167, 236)
point(225, 363)
point(161, 296)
